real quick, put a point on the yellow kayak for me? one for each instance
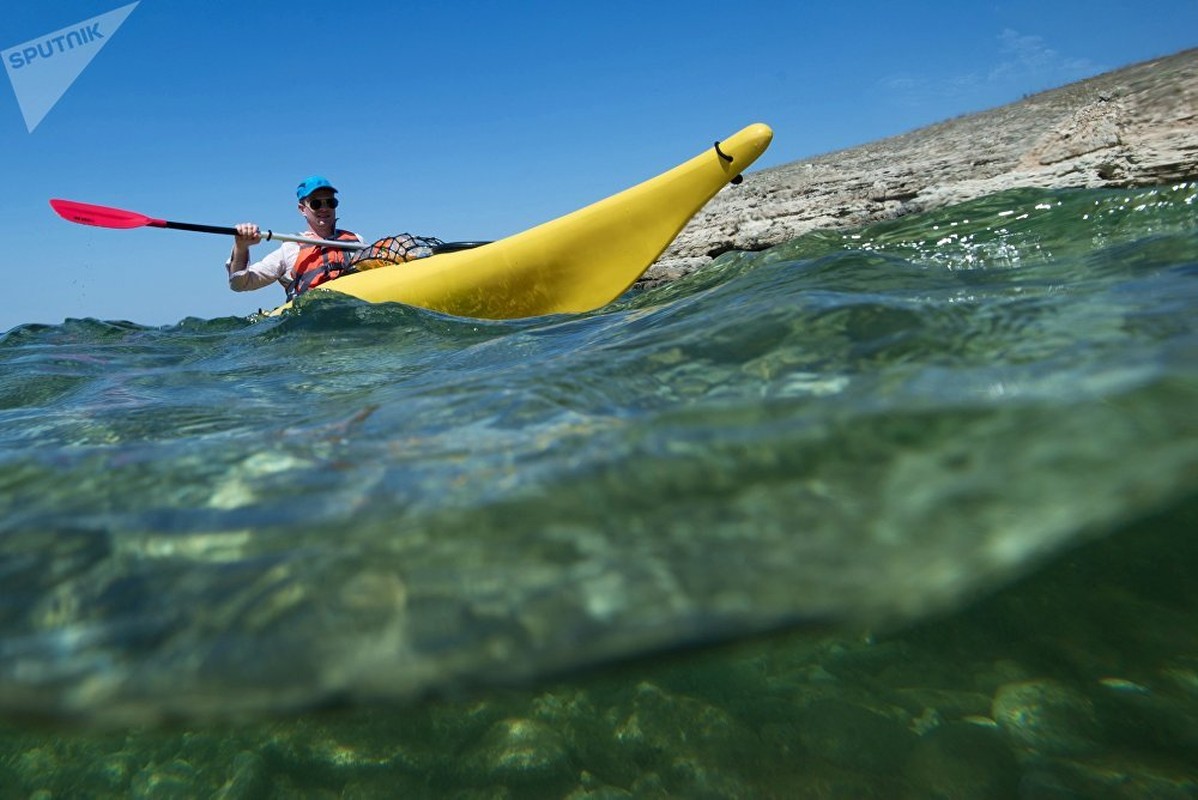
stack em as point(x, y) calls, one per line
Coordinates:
point(575, 263)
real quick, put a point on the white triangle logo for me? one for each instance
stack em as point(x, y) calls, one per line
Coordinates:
point(41, 70)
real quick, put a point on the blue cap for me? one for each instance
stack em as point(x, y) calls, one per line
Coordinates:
point(311, 184)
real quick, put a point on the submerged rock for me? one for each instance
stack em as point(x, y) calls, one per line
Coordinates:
point(176, 780)
point(1119, 777)
point(1047, 718)
point(962, 761)
point(248, 778)
point(523, 753)
point(854, 737)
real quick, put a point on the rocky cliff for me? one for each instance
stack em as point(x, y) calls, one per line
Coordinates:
point(1131, 127)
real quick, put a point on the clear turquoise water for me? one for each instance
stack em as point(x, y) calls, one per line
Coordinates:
point(832, 450)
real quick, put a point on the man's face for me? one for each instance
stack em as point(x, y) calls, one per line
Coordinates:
point(322, 219)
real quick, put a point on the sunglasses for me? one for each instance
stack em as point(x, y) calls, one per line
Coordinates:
point(318, 204)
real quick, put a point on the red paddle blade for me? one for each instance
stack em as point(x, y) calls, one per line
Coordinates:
point(102, 216)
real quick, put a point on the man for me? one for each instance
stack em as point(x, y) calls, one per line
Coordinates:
point(296, 267)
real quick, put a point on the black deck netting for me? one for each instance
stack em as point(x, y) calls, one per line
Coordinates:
point(394, 250)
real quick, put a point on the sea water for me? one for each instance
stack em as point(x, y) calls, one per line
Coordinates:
point(906, 511)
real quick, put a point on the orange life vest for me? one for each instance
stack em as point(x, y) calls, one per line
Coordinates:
point(315, 264)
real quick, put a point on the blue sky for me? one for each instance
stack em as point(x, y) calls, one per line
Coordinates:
point(473, 120)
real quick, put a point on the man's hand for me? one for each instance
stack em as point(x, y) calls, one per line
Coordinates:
point(247, 235)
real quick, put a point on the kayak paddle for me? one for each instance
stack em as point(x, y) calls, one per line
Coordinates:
point(106, 217)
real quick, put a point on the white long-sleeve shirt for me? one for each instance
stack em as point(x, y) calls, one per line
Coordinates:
point(278, 265)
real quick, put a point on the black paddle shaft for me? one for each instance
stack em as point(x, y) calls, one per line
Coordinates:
point(191, 226)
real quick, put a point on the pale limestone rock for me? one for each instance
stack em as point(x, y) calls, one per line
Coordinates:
point(1136, 126)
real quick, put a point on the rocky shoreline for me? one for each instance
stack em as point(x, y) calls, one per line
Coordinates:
point(1135, 126)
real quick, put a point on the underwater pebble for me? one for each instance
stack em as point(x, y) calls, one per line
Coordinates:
point(248, 779)
point(521, 752)
point(176, 780)
point(660, 722)
point(854, 737)
point(962, 761)
point(592, 788)
point(948, 704)
point(1138, 718)
point(1108, 778)
point(113, 771)
point(694, 777)
point(1046, 717)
